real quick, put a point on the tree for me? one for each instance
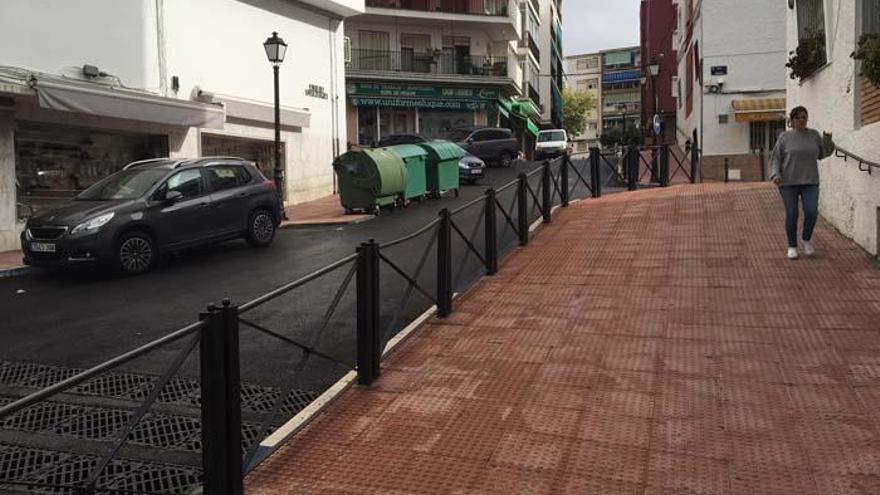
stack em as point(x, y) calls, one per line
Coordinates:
point(617, 137)
point(575, 107)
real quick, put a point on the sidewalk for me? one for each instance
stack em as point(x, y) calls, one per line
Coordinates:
point(322, 211)
point(654, 342)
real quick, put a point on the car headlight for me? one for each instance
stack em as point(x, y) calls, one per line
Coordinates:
point(93, 224)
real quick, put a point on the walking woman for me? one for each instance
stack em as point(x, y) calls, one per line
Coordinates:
point(794, 168)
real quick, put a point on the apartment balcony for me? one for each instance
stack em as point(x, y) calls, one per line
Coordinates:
point(428, 67)
point(482, 13)
point(534, 95)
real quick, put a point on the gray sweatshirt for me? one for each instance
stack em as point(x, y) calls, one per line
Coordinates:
point(796, 155)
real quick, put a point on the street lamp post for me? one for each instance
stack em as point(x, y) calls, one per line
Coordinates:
point(621, 107)
point(275, 49)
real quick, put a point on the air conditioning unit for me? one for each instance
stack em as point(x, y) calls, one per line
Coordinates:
point(346, 49)
point(715, 85)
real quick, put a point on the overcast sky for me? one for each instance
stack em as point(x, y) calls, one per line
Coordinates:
point(593, 25)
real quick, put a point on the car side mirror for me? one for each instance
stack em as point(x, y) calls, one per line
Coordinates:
point(470, 140)
point(172, 197)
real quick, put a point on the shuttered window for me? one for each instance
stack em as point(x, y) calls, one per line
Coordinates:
point(871, 16)
point(870, 98)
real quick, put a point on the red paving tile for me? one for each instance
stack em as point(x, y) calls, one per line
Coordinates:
point(10, 260)
point(655, 342)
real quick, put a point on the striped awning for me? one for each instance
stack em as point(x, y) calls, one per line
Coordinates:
point(759, 110)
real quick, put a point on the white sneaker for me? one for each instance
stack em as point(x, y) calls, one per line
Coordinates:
point(792, 253)
point(809, 250)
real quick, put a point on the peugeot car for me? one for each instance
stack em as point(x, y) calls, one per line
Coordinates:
point(154, 206)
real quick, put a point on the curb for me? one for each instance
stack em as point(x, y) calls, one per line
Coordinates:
point(324, 224)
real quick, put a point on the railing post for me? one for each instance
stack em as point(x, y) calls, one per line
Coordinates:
point(368, 341)
point(522, 204)
point(221, 401)
point(563, 178)
point(726, 170)
point(546, 204)
point(633, 164)
point(444, 265)
point(595, 174)
point(655, 166)
point(491, 233)
point(664, 166)
point(695, 158)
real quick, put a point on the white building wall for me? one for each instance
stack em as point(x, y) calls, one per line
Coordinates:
point(58, 37)
point(849, 199)
point(204, 52)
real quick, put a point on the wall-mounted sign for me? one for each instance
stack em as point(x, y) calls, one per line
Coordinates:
point(316, 91)
point(719, 70)
point(413, 91)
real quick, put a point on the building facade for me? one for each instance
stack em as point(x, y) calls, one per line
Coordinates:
point(429, 67)
point(621, 89)
point(163, 79)
point(658, 23)
point(841, 101)
point(552, 69)
point(731, 82)
point(584, 73)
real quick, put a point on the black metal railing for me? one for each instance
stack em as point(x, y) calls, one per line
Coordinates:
point(427, 63)
point(534, 95)
point(473, 7)
point(864, 165)
point(363, 302)
point(533, 47)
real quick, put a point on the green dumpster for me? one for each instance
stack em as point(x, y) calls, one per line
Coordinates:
point(442, 166)
point(369, 179)
point(414, 157)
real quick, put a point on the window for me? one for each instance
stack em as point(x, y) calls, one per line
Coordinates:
point(689, 85)
point(187, 182)
point(227, 177)
point(373, 50)
point(870, 16)
point(811, 33)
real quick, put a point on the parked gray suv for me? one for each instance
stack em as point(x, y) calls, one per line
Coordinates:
point(491, 144)
point(154, 206)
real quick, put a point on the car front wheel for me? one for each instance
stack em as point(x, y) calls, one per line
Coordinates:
point(261, 229)
point(135, 253)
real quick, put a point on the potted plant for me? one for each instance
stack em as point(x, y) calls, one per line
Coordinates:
point(868, 51)
point(807, 57)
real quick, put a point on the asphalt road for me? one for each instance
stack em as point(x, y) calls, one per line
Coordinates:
point(78, 318)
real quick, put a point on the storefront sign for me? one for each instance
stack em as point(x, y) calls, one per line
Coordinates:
point(412, 91)
point(418, 103)
point(316, 91)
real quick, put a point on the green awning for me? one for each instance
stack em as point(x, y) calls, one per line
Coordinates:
point(526, 109)
point(532, 127)
point(503, 111)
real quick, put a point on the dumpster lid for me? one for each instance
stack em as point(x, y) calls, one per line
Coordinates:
point(444, 150)
point(407, 150)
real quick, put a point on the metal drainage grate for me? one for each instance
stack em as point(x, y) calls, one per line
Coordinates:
point(40, 417)
point(95, 424)
point(20, 463)
point(168, 432)
point(118, 385)
point(159, 479)
point(17, 373)
point(297, 400)
point(50, 376)
point(180, 391)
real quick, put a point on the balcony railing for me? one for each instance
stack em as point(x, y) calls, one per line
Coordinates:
point(427, 63)
point(536, 5)
point(533, 47)
point(474, 7)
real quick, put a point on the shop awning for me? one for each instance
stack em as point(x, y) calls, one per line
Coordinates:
point(93, 99)
point(504, 107)
point(532, 127)
point(427, 103)
point(257, 111)
point(526, 108)
point(759, 110)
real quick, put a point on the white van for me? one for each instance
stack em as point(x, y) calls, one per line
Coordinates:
point(551, 143)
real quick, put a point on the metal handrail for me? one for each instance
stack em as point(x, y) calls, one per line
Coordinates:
point(296, 283)
point(864, 165)
point(467, 205)
point(410, 236)
point(98, 369)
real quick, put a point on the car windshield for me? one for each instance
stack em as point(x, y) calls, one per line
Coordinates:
point(551, 136)
point(459, 135)
point(126, 184)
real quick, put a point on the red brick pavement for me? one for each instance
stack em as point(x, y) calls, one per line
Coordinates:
point(655, 342)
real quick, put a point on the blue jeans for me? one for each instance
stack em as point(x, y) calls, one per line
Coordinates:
point(809, 195)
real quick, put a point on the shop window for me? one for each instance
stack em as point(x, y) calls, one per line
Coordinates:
point(368, 126)
point(438, 124)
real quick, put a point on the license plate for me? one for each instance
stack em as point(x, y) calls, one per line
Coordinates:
point(476, 171)
point(42, 247)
